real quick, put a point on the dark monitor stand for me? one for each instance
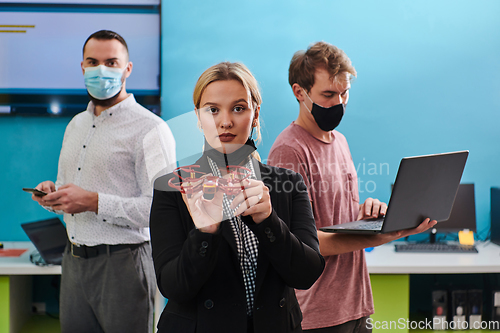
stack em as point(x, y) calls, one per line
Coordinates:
point(495, 215)
point(432, 237)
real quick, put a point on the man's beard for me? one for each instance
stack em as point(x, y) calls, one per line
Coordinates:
point(104, 102)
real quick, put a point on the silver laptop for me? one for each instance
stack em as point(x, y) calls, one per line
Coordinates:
point(425, 187)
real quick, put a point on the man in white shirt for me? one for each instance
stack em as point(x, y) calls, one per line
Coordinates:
point(110, 156)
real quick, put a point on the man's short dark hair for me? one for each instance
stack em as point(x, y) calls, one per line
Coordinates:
point(106, 35)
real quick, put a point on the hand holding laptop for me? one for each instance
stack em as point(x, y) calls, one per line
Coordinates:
point(374, 208)
point(422, 227)
point(425, 186)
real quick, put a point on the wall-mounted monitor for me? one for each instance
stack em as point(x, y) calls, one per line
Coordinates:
point(41, 52)
point(88, 2)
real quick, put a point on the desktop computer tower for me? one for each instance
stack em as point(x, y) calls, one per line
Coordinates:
point(439, 309)
point(475, 300)
point(495, 215)
point(495, 315)
point(459, 310)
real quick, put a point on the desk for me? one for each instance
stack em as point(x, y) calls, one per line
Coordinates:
point(16, 275)
point(390, 274)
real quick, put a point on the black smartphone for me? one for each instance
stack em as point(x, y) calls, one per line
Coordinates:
point(36, 192)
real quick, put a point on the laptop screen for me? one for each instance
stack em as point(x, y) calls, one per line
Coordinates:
point(49, 237)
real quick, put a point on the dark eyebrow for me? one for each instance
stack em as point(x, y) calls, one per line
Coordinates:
point(110, 59)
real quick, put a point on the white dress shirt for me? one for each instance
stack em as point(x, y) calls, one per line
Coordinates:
point(118, 154)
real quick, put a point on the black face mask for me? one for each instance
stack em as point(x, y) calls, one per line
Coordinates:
point(235, 158)
point(327, 118)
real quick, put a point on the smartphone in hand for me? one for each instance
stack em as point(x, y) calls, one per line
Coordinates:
point(36, 192)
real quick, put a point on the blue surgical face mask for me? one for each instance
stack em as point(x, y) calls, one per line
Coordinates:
point(103, 82)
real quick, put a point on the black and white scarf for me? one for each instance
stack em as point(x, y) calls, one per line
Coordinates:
point(246, 241)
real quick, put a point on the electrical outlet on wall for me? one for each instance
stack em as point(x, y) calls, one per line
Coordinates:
point(38, 308)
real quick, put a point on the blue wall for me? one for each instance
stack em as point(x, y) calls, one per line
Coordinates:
point(428, 75)
point(428, 82)
point(29, 150)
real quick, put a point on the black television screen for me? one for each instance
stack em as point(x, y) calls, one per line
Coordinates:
point(41, 52)
point(87, 2)
point(463, 213)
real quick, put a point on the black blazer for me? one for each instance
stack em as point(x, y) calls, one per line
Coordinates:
point(200, 275)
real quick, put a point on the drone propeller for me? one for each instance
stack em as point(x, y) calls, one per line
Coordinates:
point(190, 169)
point(237, 172)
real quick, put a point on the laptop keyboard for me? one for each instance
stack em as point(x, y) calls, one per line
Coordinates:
point(376, 225)
point(435, 248)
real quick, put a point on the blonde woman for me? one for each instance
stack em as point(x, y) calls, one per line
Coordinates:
point(230, 263)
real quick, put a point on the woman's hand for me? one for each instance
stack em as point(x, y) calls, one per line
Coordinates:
point(206, 214)
point(253, 200)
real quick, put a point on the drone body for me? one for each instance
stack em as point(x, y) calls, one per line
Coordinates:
point(189, 184)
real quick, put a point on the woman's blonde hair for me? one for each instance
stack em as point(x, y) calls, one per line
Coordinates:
point(231, 71)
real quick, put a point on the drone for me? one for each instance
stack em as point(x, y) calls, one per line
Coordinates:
point(196, 180)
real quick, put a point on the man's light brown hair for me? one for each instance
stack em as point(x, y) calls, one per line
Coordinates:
point(318, 55)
